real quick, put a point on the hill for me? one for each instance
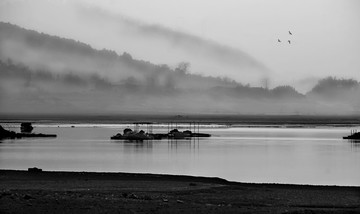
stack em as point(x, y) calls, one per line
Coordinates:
point(44, 74)
point(59, 55)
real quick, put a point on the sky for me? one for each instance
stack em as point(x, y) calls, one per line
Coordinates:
point(233, 38)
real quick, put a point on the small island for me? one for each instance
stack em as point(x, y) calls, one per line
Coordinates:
point(129, 134)
point(5, 134)
point(354, 136)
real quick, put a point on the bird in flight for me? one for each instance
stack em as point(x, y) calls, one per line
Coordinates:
point(279, 40)
point(290, 33)
point(289, 41)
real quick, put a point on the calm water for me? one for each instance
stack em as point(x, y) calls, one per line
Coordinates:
point(271, 155)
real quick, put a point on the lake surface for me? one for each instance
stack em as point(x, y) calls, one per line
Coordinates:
point(303, 155)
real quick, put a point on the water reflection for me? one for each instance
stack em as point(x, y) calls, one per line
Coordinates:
point(355, 144)
point(188, 145)
point(135, 146)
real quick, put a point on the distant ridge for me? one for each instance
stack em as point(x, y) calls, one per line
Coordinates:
point(44, 74)
point(52, 53)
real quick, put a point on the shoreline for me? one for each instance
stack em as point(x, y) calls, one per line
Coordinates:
point(169, 177)
point(276, 120)
point(94, 192)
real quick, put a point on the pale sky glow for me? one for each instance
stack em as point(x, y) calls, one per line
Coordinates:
point(325, 40)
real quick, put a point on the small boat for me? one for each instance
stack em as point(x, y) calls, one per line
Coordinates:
point(354, 136)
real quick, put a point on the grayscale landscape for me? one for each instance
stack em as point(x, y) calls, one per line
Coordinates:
point(246, 106)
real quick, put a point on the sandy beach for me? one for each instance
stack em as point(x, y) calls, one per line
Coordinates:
point(87, 192)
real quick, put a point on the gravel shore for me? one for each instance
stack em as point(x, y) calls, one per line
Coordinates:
point(87, 192)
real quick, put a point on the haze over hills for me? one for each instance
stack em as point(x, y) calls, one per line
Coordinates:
point(149, 41)
point(238, 39)
point(41, 51)
point(48, 74)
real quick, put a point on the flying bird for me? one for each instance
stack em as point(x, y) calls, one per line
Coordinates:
point(290, 33)
point(289, 41)
point(279, 40)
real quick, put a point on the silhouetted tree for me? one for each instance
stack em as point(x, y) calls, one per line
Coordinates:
point(183, 68)
point(332, 86)
point(99, 82)
point(127, 57)
point(74, 79)
point(285, 91)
